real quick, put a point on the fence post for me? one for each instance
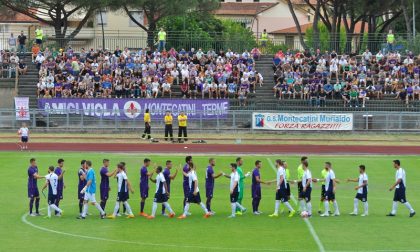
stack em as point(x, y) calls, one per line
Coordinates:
point(201, 122)
point(217, 123)
point(234, 120)
point(67, 120)
point(82, 122)
point(33, 119)
point(48, 121)
point(399, 121)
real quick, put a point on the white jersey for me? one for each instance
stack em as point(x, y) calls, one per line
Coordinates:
point(122, 181)
point(307, 176)
point(52, 180)
point(24, 131)
point(400, 174)
point(329, 179)
point(192, 176)
point(362, 177)
point(160, 179)
point(281, 172)
point(234, 177)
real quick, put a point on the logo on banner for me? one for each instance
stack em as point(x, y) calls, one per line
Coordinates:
point(132, 109)
point(259, 120)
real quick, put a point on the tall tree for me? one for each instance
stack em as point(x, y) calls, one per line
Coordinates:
point(56, 13)
point(296, 20)
point(155, 10)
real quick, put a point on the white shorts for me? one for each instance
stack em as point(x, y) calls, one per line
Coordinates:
point(90, 197)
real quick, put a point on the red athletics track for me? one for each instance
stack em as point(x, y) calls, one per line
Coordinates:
point(217, 148)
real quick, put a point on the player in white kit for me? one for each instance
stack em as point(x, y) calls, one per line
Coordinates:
point(305, 194)
point(123, 186)
point(281, 189)
point(234, 190)
point(362, 191)
point(330, 189)
point(400, 186)
point(161, 194)
point(52, 183)
point(194, 193)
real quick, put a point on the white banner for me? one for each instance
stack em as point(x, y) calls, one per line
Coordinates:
point(302, 121)
point(22, 108)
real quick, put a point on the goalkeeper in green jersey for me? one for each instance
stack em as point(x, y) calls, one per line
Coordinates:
point(239, 163)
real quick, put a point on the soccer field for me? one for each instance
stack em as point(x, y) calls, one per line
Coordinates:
point(376, 232)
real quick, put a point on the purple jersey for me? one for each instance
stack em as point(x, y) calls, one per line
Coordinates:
point(186, 169)
point(167, 175)
point(32, 182)
point(144, 179)
point(209, 177)
point(60, 184)
point(83, 182)
point(255, 174)
point(104, 179)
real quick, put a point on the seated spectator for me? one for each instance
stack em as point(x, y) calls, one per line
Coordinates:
point(354, 98)
point(363, 96)
point(185, 89)
point(322, 97)
point(166, 89)
point(256, 53)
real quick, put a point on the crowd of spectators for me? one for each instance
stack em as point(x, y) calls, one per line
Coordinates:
point(143, 73)
point(9, 59)
point(354, 79)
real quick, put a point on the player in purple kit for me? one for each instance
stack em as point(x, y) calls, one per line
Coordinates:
point(82, 183)
point(256, 188)
point(104, 186)
point(59, 170)
point(144, 185)
point(210, 176)
point(33, 193)
point(185, 171)
point(168, 177)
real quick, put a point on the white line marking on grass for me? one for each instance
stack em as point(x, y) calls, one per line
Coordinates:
point(308, 223)
point(24, 220)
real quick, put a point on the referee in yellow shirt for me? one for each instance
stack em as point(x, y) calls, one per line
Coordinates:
point(147, 128)
point(168, 126)
point(182, 126)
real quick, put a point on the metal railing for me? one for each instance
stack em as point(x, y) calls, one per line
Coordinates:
point(91, 38)
point(224, 122)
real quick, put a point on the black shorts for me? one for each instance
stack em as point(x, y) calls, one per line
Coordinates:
point(300, 187)
point(194, 198)
point(399, 195)
point(234, 195)
point(160, 198)
point(122, 196)
point(281, 195)
point(24, 139)
point(306, 195)
point(51, 199)
point(38, 41)
point(361, 196)
point(323, 192)
point(330, 195)
point(288, 190)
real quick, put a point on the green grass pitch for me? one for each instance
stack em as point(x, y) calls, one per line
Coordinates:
point(253, 233)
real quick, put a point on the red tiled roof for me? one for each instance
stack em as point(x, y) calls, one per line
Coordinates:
point(17, 18)
point(304, 2)
point(239, 8)
point(304, 27)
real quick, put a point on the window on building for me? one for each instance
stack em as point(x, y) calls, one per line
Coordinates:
point(138, 16)
point(290, 41)
point(4, 28)
point(101, 20)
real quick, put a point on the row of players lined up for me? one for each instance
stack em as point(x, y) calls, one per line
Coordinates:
point(87, 188)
